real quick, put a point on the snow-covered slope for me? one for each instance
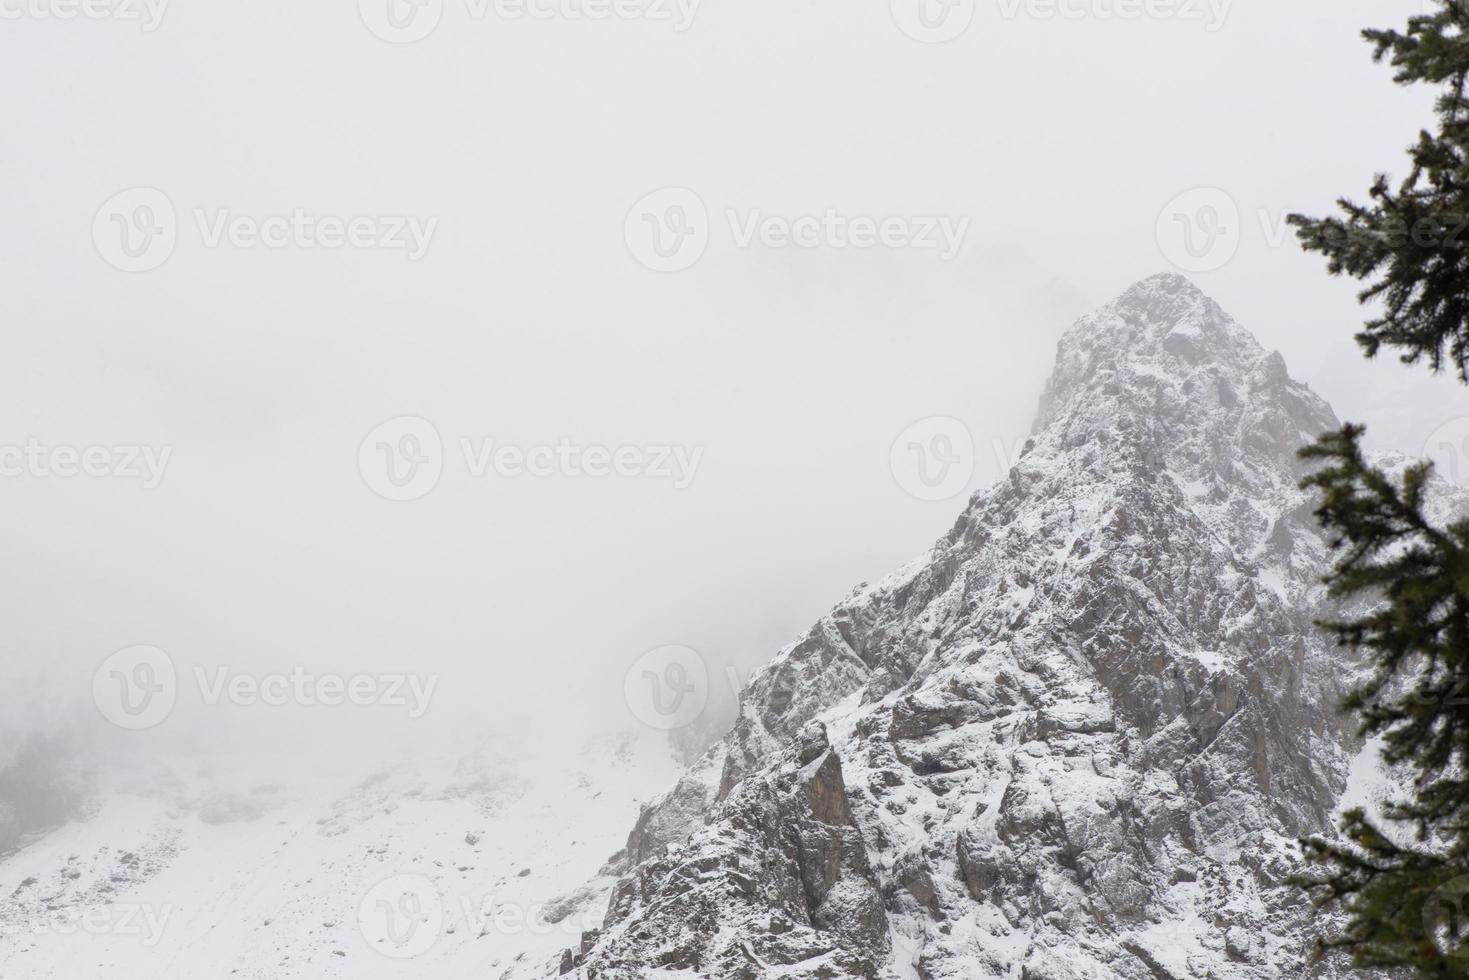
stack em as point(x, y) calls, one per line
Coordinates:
point(442, 867)
point(1077, 739)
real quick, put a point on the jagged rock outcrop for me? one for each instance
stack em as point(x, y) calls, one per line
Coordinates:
point(1077, 739)
point(782, 851)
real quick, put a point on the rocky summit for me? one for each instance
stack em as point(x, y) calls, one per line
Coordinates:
point(1077, 739)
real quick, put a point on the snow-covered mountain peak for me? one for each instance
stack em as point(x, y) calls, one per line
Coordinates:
point(1166, 353)
point(1076, 739)
point(1151, 311)
point(1163, 385)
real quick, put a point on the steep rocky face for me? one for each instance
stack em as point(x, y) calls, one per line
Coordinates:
point(1076, 739)
point(782, 851)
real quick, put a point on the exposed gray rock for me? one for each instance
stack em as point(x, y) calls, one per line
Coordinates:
point(782, 852)
point(1077, 739)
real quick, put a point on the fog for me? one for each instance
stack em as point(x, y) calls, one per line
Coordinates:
point(786, 371)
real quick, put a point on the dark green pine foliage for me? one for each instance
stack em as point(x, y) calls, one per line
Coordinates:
point(1400, 879)
point(1411, 244)
point(1406, 902)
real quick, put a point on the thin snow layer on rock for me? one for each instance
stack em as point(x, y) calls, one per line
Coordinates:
point(1078, 739)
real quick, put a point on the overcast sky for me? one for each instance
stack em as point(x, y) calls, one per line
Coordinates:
point(517, 150)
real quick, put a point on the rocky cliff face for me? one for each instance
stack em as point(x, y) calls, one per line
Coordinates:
point(1076, 739)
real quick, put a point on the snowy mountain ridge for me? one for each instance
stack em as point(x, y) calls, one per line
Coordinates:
point(1079, 738)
